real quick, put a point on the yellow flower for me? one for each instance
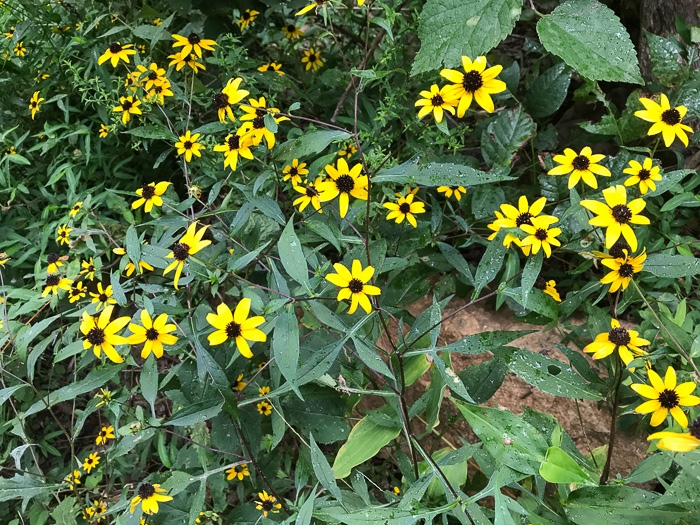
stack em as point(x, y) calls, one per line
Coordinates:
point(665, 397)
point(449, 191)
point(291, 31)
point(115, 53)
point(189, 244)
point(188, 146)
point(75, 209)
point(158, 93)
point(316, 3)
point(130, 267)
point(148, 496)
point(63, 233)
point(677, 442)
point(247, 17)
point(77, 292)
point(622, 270)
point(397, 491)
point(264, 408)
point(352, 285)
point(132, 81)
point(233, 146)
point(344, 182)
point(179, 61)
point(581, 166)
point(294, 171)
point(312, 59)
point(128, 106)
point(476, 83)
point(229, 95)
point(267, 503)
point(667, 120)
point(151, 76)
point(617, 215)
point(236, 326)
point(153, 334)
point(263, 390)
point(150, 195)
point(91, 462)
point(20, 50)
point(272, 66)
point(238, 471)
point(192, 43)
point(348, 150)
point(309, 194)
point(404, 209)
point(157, 22)
point(101, 334)
point(254, 122)
point(627, 342)
point(645, 175)
point(73, 479)
point(548, 287)
point(54, 283)
point(99, 508)
point(105, 396)
point(105, 434)
point(34, 103)
point(88, 269)
point(540, 235)
point(436, 101)
point(55, 262)
point(239, 385)
point(103, 297)
point(10, 33)
point(515, 217)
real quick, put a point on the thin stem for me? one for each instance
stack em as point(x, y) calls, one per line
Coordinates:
point(613, 422)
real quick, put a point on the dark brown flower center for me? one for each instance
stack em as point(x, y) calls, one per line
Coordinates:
point(181, 251)
point(313, 57)
point(33, 103)
point(668, 399)
point(311, 191)
point(76, 207)
point(293, 171)
point(115, 48)
point(695, 428)
point(148, 191)
point(153, 75)
point(581, 163)
point(246, 15)
point(152, 334)
point(540, 283)
point(355, 286)
point(618, 249)
point(52, 258)
point(75, 292)
point(619, 336)
point(260, 112)
point(671, 117)
point(472, 81)
point(541, 234)
point(267, 504)
point(188, 144)
point(146, 490)
point(291, 28)
point(63, 233)
point(626, 270)
point(437, 101)
point(53, 280)
point(621, 213)
point(234, 142)
point(96, 336)
point(90, 269)
point(220, 100)
point(193, 38)
point(345, 183)
point(126, 105)
point(258, 122)
point(233, 330)
point(405, 208)
point(103, 298)
point(643, 174)
point(523, 218)
point(103, 433)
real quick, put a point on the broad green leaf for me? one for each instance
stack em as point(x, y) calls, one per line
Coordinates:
point(370, 358)
point(449, 376)
point(673, 266)
point(437, 174)
point(24, 487)
point(548, 92)
point(478, 343)
point(490, 264)
point(66, 511)
point(285, 346)
point(668, 181)
point(650, 468)
point(380, 515)
point(589, 37)
point(196, 413)
point(664, 55)
point(152, 32)
point(306, 510)
point(323, 470)
point(292, 255)
point(505, 135)
point(311, 143)
point(149, 381)
point(483, 380)
point(449, 29)
point(559, 467)
point(321, 413)
point(452, 463)
point(456, 260)
point(530, 274)
point(133, 246)
point(151, 132)
point(22, 341)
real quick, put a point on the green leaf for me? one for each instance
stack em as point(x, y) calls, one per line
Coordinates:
point(449, 376)
point(370, 358)
point(548, 92)
point(323, 470)
point(66, 511)
point(285, 346)
point(490, 264)
point(30, 334)
point(505, 135)
point(456, 260)
point(196, 413)
point(483, 380)
point(478, 343)
point(559, 467)
point(154, 33)
point(306, 510)
point(669, 180)
point(673, 266)
point(589, 37)
point(451, 28)
point(311, 143)
point(292, 255)
point(650, 468)
point(530, 274)
point(149, 382)
point(133, 246)
point(151, 132)
point(24, 487)
point(437, 174)
point(380, 515)
point(321, 413)
point(664, 54)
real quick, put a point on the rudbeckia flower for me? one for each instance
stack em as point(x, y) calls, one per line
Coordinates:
point(192, 43)
point(548, 287)
point(179, 61)
point(665, 397)
point(104, 434)
point(344, 182)
point(436, 101)
point(239, 384)
point(128, 106)
point(115, 53)
point(581, 166)
point(353, 285)
point(55, 262)
point(263, 391)
point(316, 3)
point(247, 17)
point(226, 97)
point(75, 209)
point(267, 503)
point(272, 66)
point(457, 192)
point(291, 31)
point(188, 146)
point(627, 343)
point(150, 195)
point(54, 283)
point(678, 442)
point(622, 270)
point(523, 214)
point(73, 479)
point(77, 292)
point(667, 120)
point(239, 472)
point(294, 171)
point(99, 508)
point(34, 103)
point(91, 462)
point(264, 408)
point(236, 326)
point(101, 334)
point(105, 396)
point(254, 122)
point(10, 33)
point(148, 496)
point(348, 150)
point(233, 146)
point(151, 76)
point(404, 209)
point(643, 174)
point(189, 244)
point(88, 269)
point(20, 50)
point(63, 233)
point(476, 83)
point(103, 297)
point(541, 235)
point(153, 334)
point(617, 215)
point(104, 131)
point(312, 59)
point(309, 194)
point(158, 93)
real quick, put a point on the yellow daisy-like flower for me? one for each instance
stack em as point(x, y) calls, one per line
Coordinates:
point(34, 103)
point(63, 233)
point(233, 147)
point(267, 503)
point(344, 182)
point(643, 174)
point(348, 150)
point(88, 269)
point(239, 472)
point(99, 508)
point(229, 95)
point(622, 270)
point(254, 122)
point(239, 384)
point(263, 391)
point(54, 283)
point(627, 342)
point(132, 81)
point(272, 66)
point(189, 244)
point(9, 34)
point(130, 267)
point(189, 146)
point(149, 496)
point(247, 17)
point(150, 195)
point(73, 479)
point(193, 43)
point(541, 235)
point(404, 209)
point(294, 171)
point(77, 292)
point(264, 408)
point(157, 22)
point(437, 101)
point(515, 217)
point(20, 50)
point(91, 462)
point(667, 120)
point(678, 442)
point(581, 166)
point(316, 3)
point(128, 106)
point(158, 93)
point(309, 194)
point(101, 334)
point(292, 32)
point(55, 262)
point(104, 434)
point(312, 59)
point(617, 215)
point(353, 285)
point(476, 83)
point(665, 397)
point(548, 287)
point(103, 297)
point(179, 61)
point(457, 192)
point(153, 334)
point(236, 326)
point(76, 208)
point(104, 131)
point(105, 396)
point(151, 76)
point(117, 52)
